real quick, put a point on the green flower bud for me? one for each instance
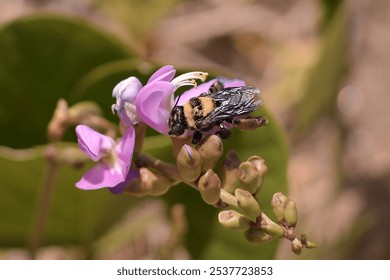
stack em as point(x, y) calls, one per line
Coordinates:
point(249, 177)
point(233, 220)
point(310, 245)
point(189, 163)
point(270, 227)
point(262, 168)
point(149, 183)
point(278, 201)
point(210, 187)
point(247, 203)
point(229, 174)
point(290, 213)
point(296, 247)
point(210, 150)
point(257, 236)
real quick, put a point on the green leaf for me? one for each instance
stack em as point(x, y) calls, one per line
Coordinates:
point(42, 58)
point(137, 17)
point(75, 217)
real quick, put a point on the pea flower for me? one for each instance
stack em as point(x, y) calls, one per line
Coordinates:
point(153, 103)
point(114, 159)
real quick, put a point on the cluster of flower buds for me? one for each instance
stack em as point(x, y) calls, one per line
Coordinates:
point(121, 166)
point(235, 187)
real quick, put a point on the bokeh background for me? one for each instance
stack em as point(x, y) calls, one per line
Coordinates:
point(323, 70)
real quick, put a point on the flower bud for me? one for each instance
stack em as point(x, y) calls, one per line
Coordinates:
point(278, 201)
point(59, 121)
point(296, 246)
point(262, 168)
point(229, 174)
point(247, 203)
point(271, 227)
point(257, 236)
point(189, 163)
point(290, 213)
point(210, 150)
point(210, 187)
point(148, 183)
point(249, 177)
point(310, 245)
point(233, 220)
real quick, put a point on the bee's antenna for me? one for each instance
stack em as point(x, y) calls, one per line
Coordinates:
point(177, 101)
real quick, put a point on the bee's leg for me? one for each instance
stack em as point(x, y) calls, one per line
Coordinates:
point(196, 137)
point(250, 123)
point(223, 131)
point(217, 86)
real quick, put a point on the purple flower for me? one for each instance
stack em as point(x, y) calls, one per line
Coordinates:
point(114, 159)
point(153, 103)
point(125, 93)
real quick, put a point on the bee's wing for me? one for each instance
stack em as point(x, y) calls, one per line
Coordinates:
point(233, 102)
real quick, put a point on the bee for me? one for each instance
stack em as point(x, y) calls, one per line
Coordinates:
point(220, 108)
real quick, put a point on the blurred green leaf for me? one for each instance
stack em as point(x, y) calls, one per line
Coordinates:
point(325, 77)
point(42, 58)
point(76, 217)
point(137, 17)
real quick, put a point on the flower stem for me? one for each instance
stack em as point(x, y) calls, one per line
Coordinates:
point(44, 199)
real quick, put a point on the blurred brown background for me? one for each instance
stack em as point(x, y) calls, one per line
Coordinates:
point(323, 70)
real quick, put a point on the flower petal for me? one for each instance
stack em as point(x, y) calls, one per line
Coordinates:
point(165, 73)
point(93, 143)
point(154, 104)
point(125, 148)
point(100, 176)
point(126, 90)
point(203, 88)
point(120, 187)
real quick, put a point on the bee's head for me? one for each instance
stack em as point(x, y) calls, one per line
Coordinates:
point(177, 122)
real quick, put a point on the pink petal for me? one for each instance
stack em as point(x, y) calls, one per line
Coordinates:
point(93, 143)
point(203, 88)
point(154, 104)
point(165, 73)
point(125, 148)
point(100, 176)
point(131, 175)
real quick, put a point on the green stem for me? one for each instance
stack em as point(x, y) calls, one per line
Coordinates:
point(43, 207)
